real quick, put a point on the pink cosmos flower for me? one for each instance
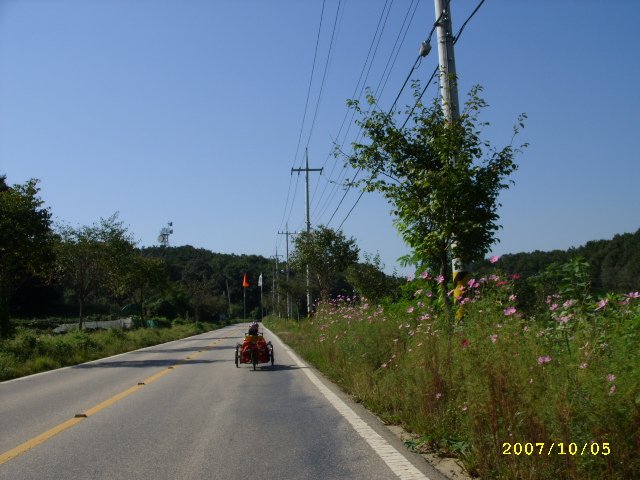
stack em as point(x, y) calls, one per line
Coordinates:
point(384, 365)
point(544, 359)
point(473, 283)
point(553, 307)
point(429, 294)
point(440, 279)
point(410, 277)
point(509, 311)
point(512, 298)
point(611, 377)
point(418, 292)
point(563, 319)
point(425, 275)
point(631, 295)
point(583, 365)
point(569, 303)
point(410, 310)
point(438, 396)
point(494, 259)
point(420, 305)
point(494, 338)
point(601, 304)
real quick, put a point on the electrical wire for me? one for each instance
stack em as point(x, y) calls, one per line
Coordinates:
point(319, 206)
point(373, 48)
point(455, 39)
point(304, 116)
point(324, 74)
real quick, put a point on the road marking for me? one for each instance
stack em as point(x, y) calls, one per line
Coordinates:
point(43, 437)
point(398, 464)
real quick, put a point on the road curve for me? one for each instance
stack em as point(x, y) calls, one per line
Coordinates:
point(182, 410)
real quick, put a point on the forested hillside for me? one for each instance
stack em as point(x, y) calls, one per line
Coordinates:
point(614, 264)
point(212, 282)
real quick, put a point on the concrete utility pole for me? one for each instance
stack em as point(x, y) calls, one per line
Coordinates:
point(450, 104)
point(287, 233)
point(277, 284)
point(307, 170)
point(275, 296)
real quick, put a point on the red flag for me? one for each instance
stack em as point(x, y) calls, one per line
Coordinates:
point(245, 284)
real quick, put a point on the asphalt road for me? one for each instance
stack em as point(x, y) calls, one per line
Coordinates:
point(182, 410)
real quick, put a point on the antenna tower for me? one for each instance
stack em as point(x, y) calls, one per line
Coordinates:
point(163, 238)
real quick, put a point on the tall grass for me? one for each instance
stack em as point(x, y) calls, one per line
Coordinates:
point(567, 371)
point(31, 351)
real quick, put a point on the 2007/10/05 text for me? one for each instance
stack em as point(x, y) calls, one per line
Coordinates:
point(540, 448)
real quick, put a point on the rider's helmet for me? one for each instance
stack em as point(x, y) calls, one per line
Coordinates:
point(253, 328)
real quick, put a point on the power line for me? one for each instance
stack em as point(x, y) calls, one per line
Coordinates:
point(373, 47)
point(422, 53)
point(456, 38)
point(387, 71)
point(304, 116)
point(324, 74)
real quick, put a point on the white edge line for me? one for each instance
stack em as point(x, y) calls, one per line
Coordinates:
point(398, 464)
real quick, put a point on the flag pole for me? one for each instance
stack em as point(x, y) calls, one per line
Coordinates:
point(261, 310)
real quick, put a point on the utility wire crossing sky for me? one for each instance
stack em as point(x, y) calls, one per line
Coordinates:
point(196, 112)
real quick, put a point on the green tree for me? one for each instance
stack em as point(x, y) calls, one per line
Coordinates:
point(26, 241)
point(368, 278)
point(327, 252)
point(197, 280)
point(94, 258)
point(440, 177)
point(141, 278)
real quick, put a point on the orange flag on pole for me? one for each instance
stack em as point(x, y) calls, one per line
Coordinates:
point(245, 284)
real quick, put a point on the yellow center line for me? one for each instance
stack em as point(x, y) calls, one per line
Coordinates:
point(43, 437)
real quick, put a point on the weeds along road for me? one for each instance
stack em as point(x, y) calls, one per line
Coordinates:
point(182, 410)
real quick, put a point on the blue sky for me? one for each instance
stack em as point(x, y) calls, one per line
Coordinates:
point(191, 111)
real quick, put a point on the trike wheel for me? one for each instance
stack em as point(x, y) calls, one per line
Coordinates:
point(237, 356)
point(271, 352)
point(254, 358)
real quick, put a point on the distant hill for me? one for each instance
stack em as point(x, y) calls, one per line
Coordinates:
point(615, 263)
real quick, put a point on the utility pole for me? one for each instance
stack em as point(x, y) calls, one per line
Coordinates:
point(307, 170)
point(277, 282)
point(450, 104)
point(287, 233)
point(274, 287)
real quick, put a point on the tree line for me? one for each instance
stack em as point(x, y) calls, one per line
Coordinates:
point(68, 271)
point(613, 265)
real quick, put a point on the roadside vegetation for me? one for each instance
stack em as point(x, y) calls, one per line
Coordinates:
point(32, 350)
point(539, 380)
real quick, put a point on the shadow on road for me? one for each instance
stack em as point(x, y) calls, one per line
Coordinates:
point(186, 350)
point(146, 363)
point(273, 368)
